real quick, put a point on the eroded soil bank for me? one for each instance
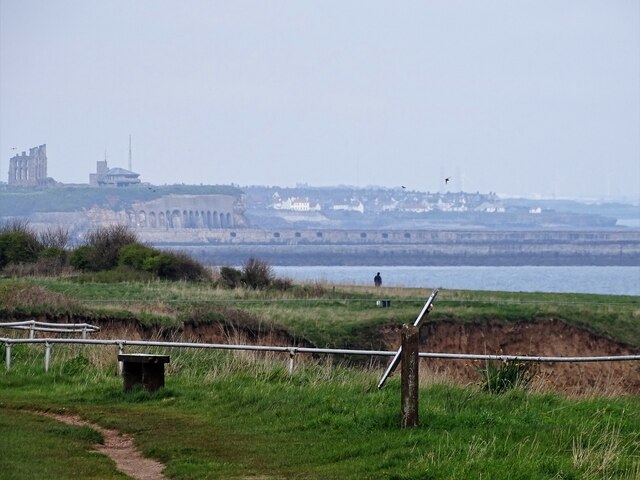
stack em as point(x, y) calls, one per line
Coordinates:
point(549, 337)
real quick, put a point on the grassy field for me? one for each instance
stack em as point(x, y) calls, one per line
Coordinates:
point(238, 416)
point(322, 314)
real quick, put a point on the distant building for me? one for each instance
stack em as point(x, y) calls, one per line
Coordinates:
point(352, 206)
point(488, 207)
point(297, 204)
point(112, 177)
point(29, 170)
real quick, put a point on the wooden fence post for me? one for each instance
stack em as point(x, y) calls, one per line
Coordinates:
point(409, 376)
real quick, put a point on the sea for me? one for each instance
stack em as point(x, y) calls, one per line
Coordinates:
point(586, 279)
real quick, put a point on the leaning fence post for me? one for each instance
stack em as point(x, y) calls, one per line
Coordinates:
point(47, 356)
point(8, 355)
point(409, 376)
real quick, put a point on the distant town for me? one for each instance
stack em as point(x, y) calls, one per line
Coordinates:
point(288, 218)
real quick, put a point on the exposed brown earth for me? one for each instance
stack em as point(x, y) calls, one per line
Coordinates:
point(543, 338)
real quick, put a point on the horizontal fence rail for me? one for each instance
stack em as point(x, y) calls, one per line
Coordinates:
point(35, 326)
point(292, 351)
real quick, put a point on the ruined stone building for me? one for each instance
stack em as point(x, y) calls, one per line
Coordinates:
point(114, 177)
point(29, 170)
point(177, 212)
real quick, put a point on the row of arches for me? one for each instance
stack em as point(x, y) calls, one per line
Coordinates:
point(184, 219)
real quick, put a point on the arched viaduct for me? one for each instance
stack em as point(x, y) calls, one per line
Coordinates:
point(187, 211)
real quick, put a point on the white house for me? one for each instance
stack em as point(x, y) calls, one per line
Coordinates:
point(352, 206)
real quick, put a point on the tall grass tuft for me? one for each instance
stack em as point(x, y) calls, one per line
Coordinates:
point(505, 376)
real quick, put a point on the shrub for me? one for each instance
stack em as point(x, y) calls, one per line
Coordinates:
point(52, 261)
point(107, 242)
point(18, 247)
point(281, 284)
point(55, 237)
point(230, 277)
point(257, 273)
point(159, 264)
point(15, 225)
point(23, 252)
point(134, 255)
point(116, 275)
point(82, 258)
point(506, 376)
point(54, 253)
point(175, 266)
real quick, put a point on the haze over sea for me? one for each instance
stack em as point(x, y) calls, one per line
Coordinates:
point(602, 280)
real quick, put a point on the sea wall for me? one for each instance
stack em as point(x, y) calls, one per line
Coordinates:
point(406, 247)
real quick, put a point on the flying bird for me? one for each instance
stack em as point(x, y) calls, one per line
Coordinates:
point(446, 180)
point(403, 186)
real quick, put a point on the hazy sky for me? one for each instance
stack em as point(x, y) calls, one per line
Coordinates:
point(515, 97)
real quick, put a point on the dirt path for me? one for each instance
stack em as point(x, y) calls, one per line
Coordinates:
point(120, 448)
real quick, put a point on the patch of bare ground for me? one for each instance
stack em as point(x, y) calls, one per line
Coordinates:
point(542, 338)
point(120, 448)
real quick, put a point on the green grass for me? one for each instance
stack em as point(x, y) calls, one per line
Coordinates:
point(326, 316)
point(226, 415)
point(25, 438)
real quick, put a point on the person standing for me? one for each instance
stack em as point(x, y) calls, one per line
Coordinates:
point(377, 280)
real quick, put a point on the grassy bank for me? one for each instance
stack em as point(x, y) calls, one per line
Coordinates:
point(227, 415)
point(322, 314)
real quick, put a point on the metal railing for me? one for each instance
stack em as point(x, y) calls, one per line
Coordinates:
point(35, 326)
point(292, 351)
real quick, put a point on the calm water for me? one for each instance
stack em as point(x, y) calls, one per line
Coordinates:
point(605, 280)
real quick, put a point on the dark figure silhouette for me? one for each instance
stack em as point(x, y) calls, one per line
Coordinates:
point(377, 280)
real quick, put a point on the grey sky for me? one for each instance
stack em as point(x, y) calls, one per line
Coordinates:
point(515, 97)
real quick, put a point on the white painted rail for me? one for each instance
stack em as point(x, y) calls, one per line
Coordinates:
point(35, 326)
point(291, 350)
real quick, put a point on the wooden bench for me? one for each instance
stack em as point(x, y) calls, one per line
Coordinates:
point(143, 369)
